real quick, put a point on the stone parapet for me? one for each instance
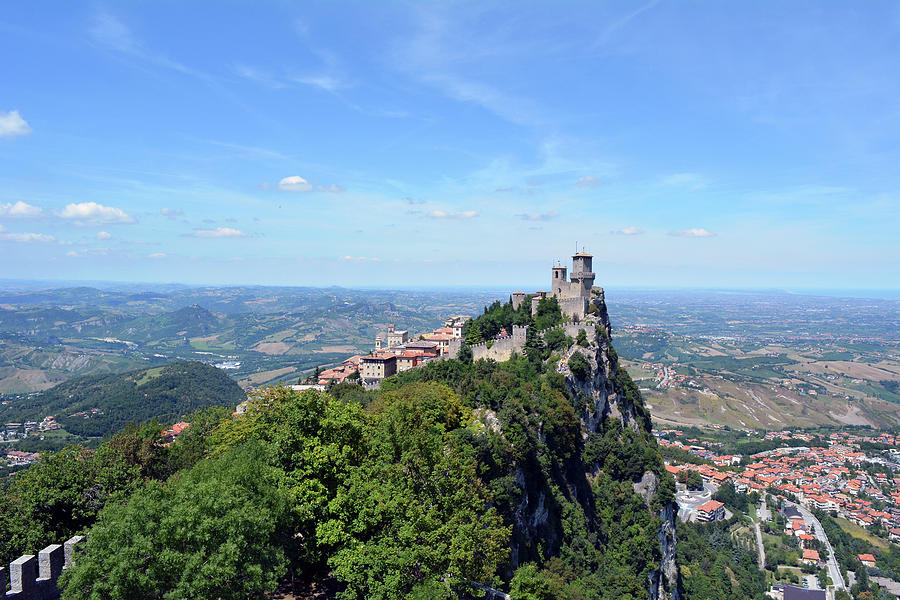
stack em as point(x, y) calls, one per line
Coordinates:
point(36, 578)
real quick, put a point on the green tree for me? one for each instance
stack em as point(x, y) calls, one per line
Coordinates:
point(581, 339)
point(694, 480)
point(579, 366)
point(528, 583)
point(465, 354)
point(60, 496)
point(217, 533)
point(412, 516)
point(555, 339)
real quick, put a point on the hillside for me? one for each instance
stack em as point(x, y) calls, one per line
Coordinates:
point(98, 405)
point(763, 360)
point(536, 476)
point(272, 334)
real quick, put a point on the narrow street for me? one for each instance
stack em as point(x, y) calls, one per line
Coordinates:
point(762, 514)
point(833, 570)
point(759, 547)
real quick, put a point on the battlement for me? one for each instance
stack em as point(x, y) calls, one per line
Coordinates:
point(36, 578)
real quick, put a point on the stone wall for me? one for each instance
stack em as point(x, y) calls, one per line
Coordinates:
point(35, 578)
point(502, 349)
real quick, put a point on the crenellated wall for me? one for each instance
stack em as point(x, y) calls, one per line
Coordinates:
point(35, 578)
point(502, 348)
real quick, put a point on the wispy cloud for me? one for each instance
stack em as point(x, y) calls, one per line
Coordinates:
point(91, 213)
point(109, 31)
point(432, 56)
point(326, 83)
point(12, 124)
point(443, 214)
point(104, 235)
point(330, 189)
point(20, 210)
point(218, 232)
point(538, 216)
point(693, 181)
point(360, 259)
point(259, 76)
point(628, 231)
point(27, 237)
point(171, 213)
point(157, 255)
point(696, 232)
point(588, 181)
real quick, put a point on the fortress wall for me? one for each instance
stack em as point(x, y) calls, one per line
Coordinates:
point(35, 578)
point(574, 307)
point(502, 348)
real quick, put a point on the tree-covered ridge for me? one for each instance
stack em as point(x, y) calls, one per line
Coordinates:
point(499, 316)
point(454, 475)
point(164, 393)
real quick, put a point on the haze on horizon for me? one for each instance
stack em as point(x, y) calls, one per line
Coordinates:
point(361, 144)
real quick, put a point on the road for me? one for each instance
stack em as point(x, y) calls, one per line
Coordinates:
point(833, 570)
point(759, 547)
point(762, 514)
point(689, 501)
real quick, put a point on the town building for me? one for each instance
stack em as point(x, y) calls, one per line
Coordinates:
point(709, 511)
point(810, 557)
point(391, 338)
point(376, 366)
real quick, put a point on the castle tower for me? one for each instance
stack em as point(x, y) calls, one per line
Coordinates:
point(582, 275)
point(559, 284)
point(517, 299)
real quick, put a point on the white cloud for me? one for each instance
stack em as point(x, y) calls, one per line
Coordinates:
point(218, 232)
point(692, 181)
point(696, 232)
point(443, 214)
point(331, 189)
point(294, 183)
point(91, 213)
point(12, 124)
point(588, 181)
point(20, 210)
point(156, 255)
point(632, 230)
point(103, 235)
point(27, 237)
point(538, 216)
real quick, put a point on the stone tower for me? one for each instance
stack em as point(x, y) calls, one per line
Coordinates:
point(582, 275)
point(559, 284)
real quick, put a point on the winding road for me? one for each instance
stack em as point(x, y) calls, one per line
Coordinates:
point(833, 570)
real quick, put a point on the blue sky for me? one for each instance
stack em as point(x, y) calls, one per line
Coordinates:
point(711, 144)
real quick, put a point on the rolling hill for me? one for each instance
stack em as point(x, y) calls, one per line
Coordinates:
point(97, 405)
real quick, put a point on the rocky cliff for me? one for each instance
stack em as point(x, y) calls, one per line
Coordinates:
point(610, 399)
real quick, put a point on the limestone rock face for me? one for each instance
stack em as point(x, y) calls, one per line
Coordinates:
point(604, 402)
point(537, 528)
